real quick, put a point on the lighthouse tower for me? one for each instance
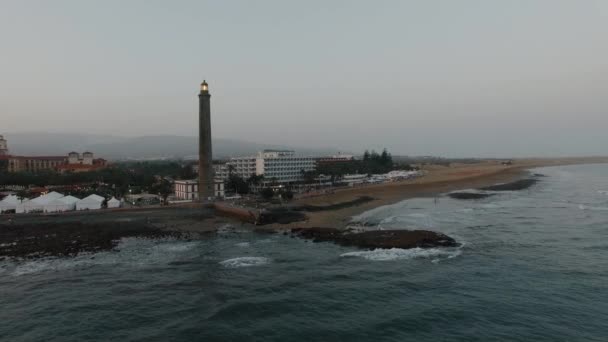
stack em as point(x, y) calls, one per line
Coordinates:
point(3, 146)
point(205, 168)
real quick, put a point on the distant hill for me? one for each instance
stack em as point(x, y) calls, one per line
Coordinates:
point(145, 147)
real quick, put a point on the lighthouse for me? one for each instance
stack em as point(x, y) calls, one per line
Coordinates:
point(205, 168)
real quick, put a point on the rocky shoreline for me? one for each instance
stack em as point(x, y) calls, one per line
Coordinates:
point(32, 241)
point(36, 237)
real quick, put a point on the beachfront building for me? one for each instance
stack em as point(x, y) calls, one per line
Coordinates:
point(275, 165)
point(187, 189)
point(243, 167)
point(283, 166)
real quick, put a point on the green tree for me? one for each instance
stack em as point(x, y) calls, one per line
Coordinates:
point(366, 155)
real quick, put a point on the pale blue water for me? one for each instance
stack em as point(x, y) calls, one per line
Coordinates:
point(534, 267)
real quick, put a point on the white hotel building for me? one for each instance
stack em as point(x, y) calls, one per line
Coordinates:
point(282, 166)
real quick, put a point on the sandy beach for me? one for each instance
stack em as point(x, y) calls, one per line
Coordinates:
point(438, 180)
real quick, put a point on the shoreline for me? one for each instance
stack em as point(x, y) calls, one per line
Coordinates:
point(46, 235)
point(439, 181)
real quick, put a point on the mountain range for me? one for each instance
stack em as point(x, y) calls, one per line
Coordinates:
point(143, 147)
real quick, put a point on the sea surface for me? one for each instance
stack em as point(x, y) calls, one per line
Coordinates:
point(533, 267)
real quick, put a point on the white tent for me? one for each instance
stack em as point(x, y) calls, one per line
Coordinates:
point(9, 203)
point(91, 202)
point(113, 203)
point(66, 203)
point(38, 203)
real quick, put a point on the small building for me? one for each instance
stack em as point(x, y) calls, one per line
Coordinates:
point(188, 189)
point(92, 202)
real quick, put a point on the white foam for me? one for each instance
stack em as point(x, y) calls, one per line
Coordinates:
point(244, 262)
point(404, 254)
point(242, 244)
point(603, 192)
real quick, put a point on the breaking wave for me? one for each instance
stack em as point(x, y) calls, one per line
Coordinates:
point(405, 254)
point(244, 262)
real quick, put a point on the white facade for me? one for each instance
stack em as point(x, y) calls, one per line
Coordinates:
point(220, 171)
point(188, 189)
point(283, 166)
point(243, 167)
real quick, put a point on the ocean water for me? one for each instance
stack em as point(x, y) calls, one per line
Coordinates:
point(533, 267)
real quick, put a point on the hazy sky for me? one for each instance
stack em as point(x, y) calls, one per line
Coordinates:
point(453, 78)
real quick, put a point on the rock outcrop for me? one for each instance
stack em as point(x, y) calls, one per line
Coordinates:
point(469, 195)
point(378, 238)
point(513, 186)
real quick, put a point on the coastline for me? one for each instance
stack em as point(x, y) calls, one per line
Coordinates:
point(329, 215)
point(438, 181)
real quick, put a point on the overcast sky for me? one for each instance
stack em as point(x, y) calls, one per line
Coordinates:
point(452, 78)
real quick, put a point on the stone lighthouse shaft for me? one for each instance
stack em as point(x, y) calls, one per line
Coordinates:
point(205, 168)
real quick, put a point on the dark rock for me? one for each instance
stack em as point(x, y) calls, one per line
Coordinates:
point(70, 238)
point(513, 186)
point(378, 238)
point(468, 195)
